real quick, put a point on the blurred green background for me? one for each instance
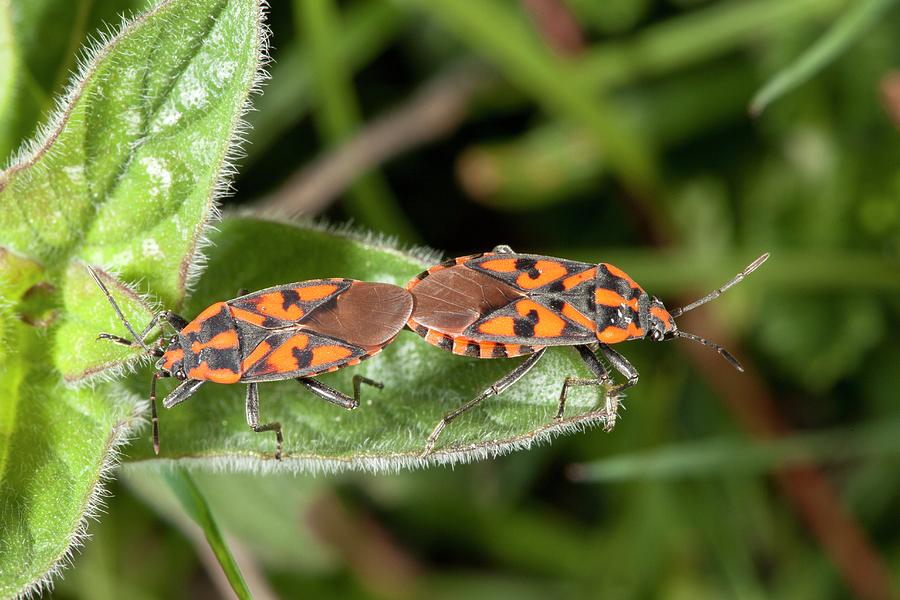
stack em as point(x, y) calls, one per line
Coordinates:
point(678, 139)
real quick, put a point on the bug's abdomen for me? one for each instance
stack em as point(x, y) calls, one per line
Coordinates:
point(475, 313)
point(212, 348)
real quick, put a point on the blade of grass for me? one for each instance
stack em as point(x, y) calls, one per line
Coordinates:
point(494, 30)
point(367, 29)
point(847, 29)
point(699, 35)
point(717, 457)
point(194, 504)
point(338, 116)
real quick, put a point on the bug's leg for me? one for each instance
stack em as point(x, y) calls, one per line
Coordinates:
point(154, 417)
point(498, 388)
point(621, 365)
point(503, 249)
point(601, 377)
point(184, 391)
point(253, 420)
point(337, 397)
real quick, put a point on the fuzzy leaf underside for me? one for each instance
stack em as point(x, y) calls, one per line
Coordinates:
point(124, 177)
point(127, 175)
point(388, 431)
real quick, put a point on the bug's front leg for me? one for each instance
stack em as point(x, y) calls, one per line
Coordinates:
point(253, 420)
point(179, 394)
point(621, 365)
point(601, 378)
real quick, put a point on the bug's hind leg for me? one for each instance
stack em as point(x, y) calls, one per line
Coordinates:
point(601, 378)
point(337, 397)
point(253, 420)
point(507, 380)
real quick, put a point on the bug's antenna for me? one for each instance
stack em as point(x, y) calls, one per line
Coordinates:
point(725, 353)
point(116, 308)
point(713, 295)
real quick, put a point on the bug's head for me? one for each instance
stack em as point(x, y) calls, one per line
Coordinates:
point(171, 363)
point(662, 322)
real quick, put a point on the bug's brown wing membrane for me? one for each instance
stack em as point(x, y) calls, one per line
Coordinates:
point(367, 315)
point(451, 299)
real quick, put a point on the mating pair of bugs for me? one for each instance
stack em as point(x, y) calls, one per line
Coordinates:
point(493, 305)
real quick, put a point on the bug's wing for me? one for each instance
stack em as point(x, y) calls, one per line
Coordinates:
point(529, 321)
point(533, 274)
point(286, 305)
point(368, 315)
point(286, 354)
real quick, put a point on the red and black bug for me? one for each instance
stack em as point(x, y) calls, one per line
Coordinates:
point(293, 331)
point(502, 304)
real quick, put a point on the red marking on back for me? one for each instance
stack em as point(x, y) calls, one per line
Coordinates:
point(315, 292)
point(504, 326)
point(614, 335)
point(323, 355)
point(247, 316)
point(282, 360)
point(203, 372)
point(272, 305)
point(209, 312)
point(579, 278)
point(254, 357)
point(607, 297)
point(617, 272)
point(548, 323)
point(171, 357)
point(663, 315)
point(223, 341)
point(500, 265)
point(573, 314)
point(548, 271)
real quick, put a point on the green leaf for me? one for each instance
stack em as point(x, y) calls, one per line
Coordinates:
point(38, 43)
point(56, 445)
point(194, 504)
point(128, 176)
point(388, 431)
point(850, 27)
point(125, 177)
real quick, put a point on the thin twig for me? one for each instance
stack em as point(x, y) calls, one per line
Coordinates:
point(368, 549)
point(814, 498)
point(558, 26)
point(433, 112)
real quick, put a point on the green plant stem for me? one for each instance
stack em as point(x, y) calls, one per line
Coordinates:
point(700, 35)
point(718, 457)
point(338, 116)
point(367, 29)
point(194, 504)
point(851, 26)
point(494, 30)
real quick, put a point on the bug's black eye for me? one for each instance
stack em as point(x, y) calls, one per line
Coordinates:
point(179, 374)
point(656, 336)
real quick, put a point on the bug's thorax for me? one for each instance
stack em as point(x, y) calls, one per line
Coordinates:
point(209, 346)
